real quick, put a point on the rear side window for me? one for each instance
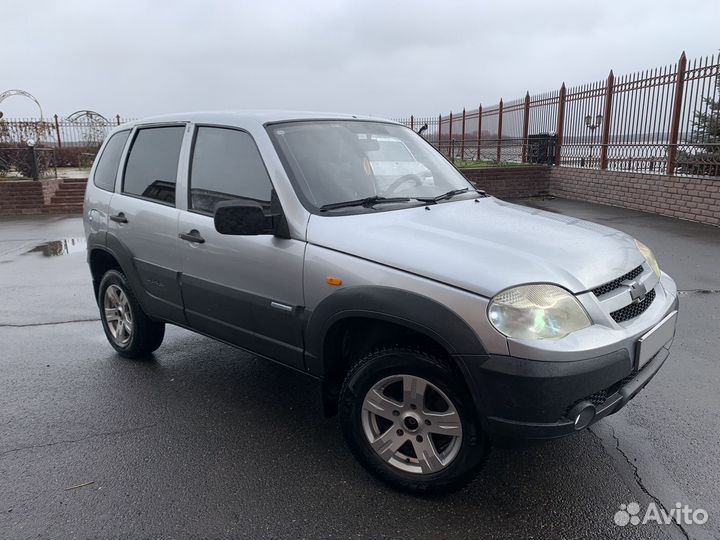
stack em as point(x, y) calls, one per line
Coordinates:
point(226, 165)
point(152, 165)
point(106, 170)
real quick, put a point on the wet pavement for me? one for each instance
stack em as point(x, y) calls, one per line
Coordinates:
point(206, 441)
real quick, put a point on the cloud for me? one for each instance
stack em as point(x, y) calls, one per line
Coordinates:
point(388, 58)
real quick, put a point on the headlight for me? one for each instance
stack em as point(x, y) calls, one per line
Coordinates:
point(540, 311)
point(649, 256)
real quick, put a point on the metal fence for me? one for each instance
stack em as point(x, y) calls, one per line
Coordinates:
point(28, 162)
point(35, 148)
point(660, 120)
point(83, 131)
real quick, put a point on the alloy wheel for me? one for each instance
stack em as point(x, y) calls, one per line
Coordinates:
point(118, 314)
point(411, 424)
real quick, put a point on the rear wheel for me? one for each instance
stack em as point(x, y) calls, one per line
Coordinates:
point(128, 329)
point(408, 418)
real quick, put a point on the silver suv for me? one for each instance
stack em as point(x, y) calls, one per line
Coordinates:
point(434, 316)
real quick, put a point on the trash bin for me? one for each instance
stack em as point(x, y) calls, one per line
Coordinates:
point(541, 148)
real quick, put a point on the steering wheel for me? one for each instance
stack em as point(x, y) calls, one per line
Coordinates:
point(392, 188)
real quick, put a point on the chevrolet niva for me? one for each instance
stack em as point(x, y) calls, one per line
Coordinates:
point(435, 317)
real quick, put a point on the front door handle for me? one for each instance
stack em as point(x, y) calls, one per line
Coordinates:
point(192, 236)
point(119, 218)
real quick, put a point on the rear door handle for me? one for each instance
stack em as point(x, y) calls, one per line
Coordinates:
point(119, 218)
point(192, 236)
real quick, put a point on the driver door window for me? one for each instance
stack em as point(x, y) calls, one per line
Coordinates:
point(226, 165)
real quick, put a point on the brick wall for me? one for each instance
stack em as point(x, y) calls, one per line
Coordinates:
point(24, 197)
point(691, 198)
point(511, 181)
point(49, 187)
point(21, 197)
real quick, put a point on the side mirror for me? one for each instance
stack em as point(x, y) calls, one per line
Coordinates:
point(243, 218)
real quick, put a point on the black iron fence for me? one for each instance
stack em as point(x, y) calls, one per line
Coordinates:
point(35, 148)
point(29, 162)
point(57, 132)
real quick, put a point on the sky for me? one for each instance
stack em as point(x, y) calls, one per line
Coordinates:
point(387, 58)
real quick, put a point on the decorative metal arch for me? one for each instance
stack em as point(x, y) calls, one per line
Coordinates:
point(15, 92)
point(92, 125)
point(88, 116)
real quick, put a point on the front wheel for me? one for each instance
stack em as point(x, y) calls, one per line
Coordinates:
point(128, 329)
point(408, 418)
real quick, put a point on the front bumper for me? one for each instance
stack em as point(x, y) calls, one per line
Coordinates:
point(539, 398)
point(605, 404)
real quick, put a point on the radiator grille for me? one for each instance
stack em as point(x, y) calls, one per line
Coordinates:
point(633, 310)
point(617, 283)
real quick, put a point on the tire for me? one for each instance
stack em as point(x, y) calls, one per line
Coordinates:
point(449, 460)
point(140, 335)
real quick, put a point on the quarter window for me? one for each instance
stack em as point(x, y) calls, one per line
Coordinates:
point(107, 167)
point(226, 165)
point(151, 170)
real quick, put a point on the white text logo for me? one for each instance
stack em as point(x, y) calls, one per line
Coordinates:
point(682, 514)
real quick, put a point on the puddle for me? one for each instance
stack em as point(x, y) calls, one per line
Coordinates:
point(700, 291)
point(56, 248)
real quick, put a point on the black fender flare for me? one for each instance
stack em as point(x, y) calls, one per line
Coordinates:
point(414, 311)
point(404, 308)
point(122, 255)
point(123, 261)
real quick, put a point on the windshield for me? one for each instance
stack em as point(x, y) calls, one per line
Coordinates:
point(332, 162)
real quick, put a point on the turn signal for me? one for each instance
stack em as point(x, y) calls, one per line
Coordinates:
point(331, 280)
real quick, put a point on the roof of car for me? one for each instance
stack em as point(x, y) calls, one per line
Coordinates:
point(240, 117)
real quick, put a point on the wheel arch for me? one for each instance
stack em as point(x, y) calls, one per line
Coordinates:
point(100, 260)
point(355, 320)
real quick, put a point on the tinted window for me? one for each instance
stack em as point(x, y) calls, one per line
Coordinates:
point(151, 169)
point(107, 166)
point(226, 165)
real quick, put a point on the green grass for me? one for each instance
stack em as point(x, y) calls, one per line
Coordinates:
point(475, 164)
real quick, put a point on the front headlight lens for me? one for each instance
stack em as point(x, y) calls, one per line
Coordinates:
point(539, 311)
point(649, 256)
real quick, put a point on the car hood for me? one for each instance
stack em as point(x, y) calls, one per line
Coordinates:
point(484, 246)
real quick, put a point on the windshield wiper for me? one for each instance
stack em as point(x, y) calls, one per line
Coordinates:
point(367, 201)
point(449, 195)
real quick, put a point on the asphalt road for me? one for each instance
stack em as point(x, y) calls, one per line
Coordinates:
point(206, 441)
